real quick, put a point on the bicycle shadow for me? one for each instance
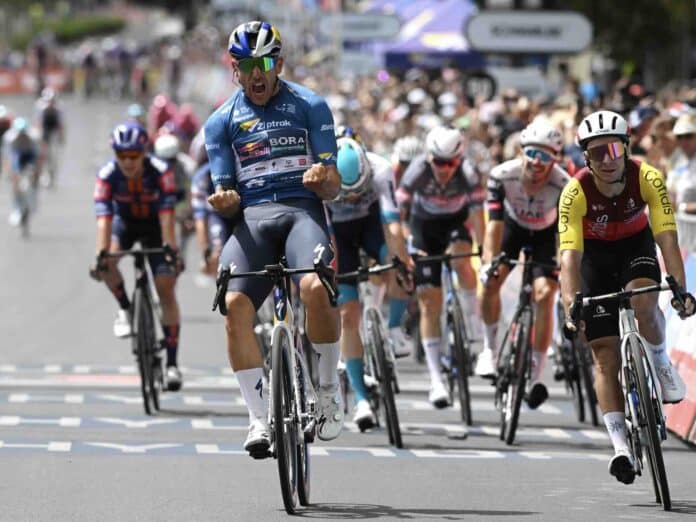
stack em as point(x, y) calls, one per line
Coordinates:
point(683, 507)
point(371, 511)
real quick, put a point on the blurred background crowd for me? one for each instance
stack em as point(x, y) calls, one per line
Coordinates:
point(396, 68)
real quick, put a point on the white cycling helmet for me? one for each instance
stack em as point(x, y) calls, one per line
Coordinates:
point(407, 148)
point(602, 123)
point(353, 167)
point(444, 143)
point(542, 134)
point(254, 39)
point(167, 146)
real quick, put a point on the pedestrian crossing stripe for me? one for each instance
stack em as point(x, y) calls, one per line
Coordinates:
point(77, 447)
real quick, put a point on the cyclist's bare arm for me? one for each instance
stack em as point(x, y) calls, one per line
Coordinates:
point(103, 233)
point(570, 276)
point(394, 237)
point(669, 246)
point(168, 225)
point(492, 240)
point(477, 221)
point(202, 233)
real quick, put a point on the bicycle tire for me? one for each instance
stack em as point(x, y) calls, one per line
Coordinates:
point(285, 436)
point(574, 379)
point(585, 362)
point(459, 352)
point(522, 354)
point(648, 425)
point(144, 334)
point(303, 466)
point(386, 378)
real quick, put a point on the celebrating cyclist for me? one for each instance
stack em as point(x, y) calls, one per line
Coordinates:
point(365, 216)
point(272, 154)
point(134, 197)
point(607, 243)
point(437, 196)
point(522, 211)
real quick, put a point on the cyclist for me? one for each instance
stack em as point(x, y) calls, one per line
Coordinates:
point(272, 153)
point(437, 196)
point(134, 198)
point(405, 149)
point(522, 211)
point(50, 120)
point(21, 150)
point(137, 114)
point(607, 243)
point(365, 216)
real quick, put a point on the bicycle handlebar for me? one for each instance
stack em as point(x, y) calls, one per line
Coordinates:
point(504, 259)
point(276, 272)
point(444, 257)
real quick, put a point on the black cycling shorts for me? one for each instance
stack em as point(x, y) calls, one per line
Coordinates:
point(148, 234)
point(433, 236)
point(294, 228)
point(608, 266)
point(542, 243)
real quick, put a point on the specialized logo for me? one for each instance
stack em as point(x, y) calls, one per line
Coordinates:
point(259, 388)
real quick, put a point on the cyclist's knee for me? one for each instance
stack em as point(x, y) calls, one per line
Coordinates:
point(240, 311)
point(350, 315)
point(313, 293)
point(647, 312)
point(430, 302)
point(606, 356)
point(544, 290)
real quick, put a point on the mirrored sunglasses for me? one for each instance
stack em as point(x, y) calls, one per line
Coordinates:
point(444, 162)
point(265, 64)
point(542, 155)
point(614, 150)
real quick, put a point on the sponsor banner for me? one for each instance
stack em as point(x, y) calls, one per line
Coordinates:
point(17, 81)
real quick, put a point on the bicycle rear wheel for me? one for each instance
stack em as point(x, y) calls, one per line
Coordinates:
point(285, 434)
point(459, 351)
point(385, 375)
point(521, 353)
point(144, 348)
point(648, 425)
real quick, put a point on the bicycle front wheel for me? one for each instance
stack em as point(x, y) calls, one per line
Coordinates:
point(459, 351)
point(585, 365)
point(144, 348)
point(521, 346)
point(385, 375)
point(303, 469)
point(284, 430)
point(648, 425)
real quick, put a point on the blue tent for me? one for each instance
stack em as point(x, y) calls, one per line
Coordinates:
point(431, 35)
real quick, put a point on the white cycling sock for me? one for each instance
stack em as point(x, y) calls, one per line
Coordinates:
point(659, 354)
point(431, 347)
point(538, 360)
point(329, 354)
point(490, 334)
point(615, 421)
point(252, 388)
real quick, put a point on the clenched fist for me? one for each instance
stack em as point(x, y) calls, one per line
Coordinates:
point(323, 180)
point(225, 202)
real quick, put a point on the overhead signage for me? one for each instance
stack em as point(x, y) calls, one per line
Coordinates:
point(528, 32)
point(355, 27)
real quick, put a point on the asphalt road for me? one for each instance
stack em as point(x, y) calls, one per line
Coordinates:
point(75, 444)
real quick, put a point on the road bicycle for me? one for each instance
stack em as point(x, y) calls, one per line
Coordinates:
point(572, 360)
point(145, 317)
point(292, 413)
point(457, 361)
point(24, 200)
point(380, 365)
point(514, 366)
point(645, 419)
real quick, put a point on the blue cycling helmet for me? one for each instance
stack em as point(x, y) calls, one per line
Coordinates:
point(129, 136)
point(135, 110)
point(254, 39)
point(353, 167)
point(20, 124)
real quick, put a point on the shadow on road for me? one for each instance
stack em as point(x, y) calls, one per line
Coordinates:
point(368, 511)
point(683, 507)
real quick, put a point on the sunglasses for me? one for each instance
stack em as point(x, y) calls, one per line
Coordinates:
point(132, 155)
point(614, 150)
point(265, 64)
point(541, 155)
point(686, 136)
point(445, 162)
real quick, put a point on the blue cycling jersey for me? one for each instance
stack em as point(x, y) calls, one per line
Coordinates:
point(141, 199)
point(263, 151)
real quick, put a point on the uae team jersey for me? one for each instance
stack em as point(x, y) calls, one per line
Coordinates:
point(262, 152)
point(586, 213)
point(381, 189)
point(141, 199)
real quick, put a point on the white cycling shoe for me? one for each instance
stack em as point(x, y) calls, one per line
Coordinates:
point(401, 345)
point(485, 364)
point(122, 324)
point(174, 379)
point(363, 416)
point(330, 412)
point(258, 440)
point(438, 395)
point(671, 383)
